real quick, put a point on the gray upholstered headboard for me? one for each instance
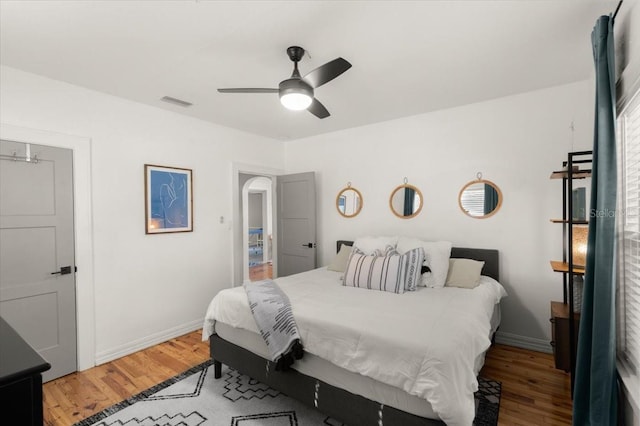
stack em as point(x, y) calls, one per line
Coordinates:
point(490, 257)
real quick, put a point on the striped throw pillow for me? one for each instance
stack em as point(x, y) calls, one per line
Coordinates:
point(385, 273)
point(412, 263)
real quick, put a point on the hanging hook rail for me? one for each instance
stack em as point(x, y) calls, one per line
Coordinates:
point(27, 158)
point(16, 157)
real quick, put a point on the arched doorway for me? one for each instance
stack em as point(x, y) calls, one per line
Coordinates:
point(257, 228)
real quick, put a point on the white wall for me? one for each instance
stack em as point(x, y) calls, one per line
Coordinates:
point(255, 210)
point(148, 288)
point(515, 142)
point(627, 46)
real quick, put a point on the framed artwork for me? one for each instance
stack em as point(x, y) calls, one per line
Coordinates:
point(168, 199)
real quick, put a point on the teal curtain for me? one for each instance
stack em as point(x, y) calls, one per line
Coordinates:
point(595, 390)
point(409, 199)
point(490, 198)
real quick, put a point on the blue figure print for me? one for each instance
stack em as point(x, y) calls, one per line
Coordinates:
point(169, 199)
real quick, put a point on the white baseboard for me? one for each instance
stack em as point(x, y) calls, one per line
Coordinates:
point(147, 342)
point(538, 345)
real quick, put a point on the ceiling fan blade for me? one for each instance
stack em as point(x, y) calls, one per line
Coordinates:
point(327, 72)
point(317, 109)
point(248, 90)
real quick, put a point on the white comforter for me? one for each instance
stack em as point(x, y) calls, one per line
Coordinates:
point(425, 342)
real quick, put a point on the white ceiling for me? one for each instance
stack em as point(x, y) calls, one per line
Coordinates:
point(409, 57)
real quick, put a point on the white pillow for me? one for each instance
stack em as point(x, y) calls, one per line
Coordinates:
point(436, 257)
point(339, 263)
point(368, 245)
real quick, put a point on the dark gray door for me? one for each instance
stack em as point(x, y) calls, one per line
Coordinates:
point(37, 278)
point(296, 223)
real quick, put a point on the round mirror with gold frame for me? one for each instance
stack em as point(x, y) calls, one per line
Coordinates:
point(406, 201)
point(480, 198)
point(349, 202)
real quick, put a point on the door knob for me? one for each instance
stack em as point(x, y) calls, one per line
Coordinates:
point(309, 245)
point(64, 270)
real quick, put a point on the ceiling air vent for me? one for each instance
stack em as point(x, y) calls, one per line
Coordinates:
point(175, 101)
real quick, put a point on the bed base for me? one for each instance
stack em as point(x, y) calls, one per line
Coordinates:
point(351, 409)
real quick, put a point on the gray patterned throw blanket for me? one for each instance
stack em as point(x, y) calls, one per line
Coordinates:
point(272, 312)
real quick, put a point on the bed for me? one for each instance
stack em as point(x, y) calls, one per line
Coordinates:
point(359, 366)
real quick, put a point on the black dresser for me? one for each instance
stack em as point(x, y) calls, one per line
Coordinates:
point(21, 369)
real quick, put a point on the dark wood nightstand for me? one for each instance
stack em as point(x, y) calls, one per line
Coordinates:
point(560, 334)
point(21, 369)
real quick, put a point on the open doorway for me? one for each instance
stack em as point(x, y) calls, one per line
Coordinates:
point(291, 245)
point(257, 228)
point(241, 174)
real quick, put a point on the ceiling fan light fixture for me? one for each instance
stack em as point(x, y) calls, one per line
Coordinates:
point(295, 94)
point(296, 101)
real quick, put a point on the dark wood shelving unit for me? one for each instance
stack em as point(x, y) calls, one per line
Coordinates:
point(575, 222)
point(560, 266)
point(575, 174)
point(564, 326)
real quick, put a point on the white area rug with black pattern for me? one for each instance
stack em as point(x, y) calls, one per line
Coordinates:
point(196, 398)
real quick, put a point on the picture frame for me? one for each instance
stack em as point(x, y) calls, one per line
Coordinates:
point(168, 193)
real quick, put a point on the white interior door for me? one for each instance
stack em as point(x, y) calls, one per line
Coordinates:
point(37, 273)
point(296, 223)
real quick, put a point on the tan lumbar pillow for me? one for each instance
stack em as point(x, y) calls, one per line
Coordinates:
point(464, 273)
point(339, 263)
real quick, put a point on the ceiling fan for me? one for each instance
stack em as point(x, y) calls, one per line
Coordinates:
point(296, 92)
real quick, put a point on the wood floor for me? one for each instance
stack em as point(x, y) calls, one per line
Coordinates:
point(533, 391)
point(261, 272)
